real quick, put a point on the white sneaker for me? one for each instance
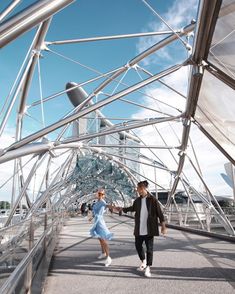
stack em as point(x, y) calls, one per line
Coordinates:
point(108, 261)
point(142, 266)
point(147, 272)
point(101, 256)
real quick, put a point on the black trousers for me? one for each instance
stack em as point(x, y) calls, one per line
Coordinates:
point(149, 246)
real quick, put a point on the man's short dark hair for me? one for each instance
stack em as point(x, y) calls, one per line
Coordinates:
point(143, 184)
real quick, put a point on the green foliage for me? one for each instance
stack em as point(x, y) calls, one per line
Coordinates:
point(4, 205)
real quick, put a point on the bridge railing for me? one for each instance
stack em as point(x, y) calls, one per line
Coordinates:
point(38, 235)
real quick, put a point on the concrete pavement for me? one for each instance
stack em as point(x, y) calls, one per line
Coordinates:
point(183, 263)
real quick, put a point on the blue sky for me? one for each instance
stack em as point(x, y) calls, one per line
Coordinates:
point(86, 18)
point(83, 19)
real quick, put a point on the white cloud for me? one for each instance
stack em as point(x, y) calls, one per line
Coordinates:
point(211, 160)
point(177, 16)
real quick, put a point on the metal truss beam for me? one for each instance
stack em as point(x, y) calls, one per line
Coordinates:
point(208, 12)
point(133, 146)
point(9, 9)
point(214, 142)
point(113, 37)
point(92, 108)
point(29, 18)
point(123, 127)
point(23, 190)
point(38, 148)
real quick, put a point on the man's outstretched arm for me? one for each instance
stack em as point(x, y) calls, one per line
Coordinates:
point(127, 209)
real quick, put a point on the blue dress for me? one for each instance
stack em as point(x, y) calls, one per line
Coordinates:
point(99, 229)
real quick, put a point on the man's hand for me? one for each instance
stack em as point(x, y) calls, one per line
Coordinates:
point(163, 229)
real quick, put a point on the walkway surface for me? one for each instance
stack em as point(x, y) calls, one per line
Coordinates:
point(183, 263)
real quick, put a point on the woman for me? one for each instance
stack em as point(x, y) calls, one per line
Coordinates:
point(99, 229)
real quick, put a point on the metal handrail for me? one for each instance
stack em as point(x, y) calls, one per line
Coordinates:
point(2, 230)
point(11, 283)
point(16, 240)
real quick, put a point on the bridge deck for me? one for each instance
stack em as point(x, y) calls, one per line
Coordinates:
point(183, 263)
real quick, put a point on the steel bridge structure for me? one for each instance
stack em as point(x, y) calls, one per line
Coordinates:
point(68, 159)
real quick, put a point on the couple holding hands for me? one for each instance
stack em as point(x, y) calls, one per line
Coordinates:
point(147, 213)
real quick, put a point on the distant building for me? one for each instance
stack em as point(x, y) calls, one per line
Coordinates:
point(96, 122)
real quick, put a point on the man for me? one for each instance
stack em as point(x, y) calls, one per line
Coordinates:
point(147, 211)
point(84, 209)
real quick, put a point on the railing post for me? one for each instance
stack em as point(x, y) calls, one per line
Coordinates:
point(208, 218)
point(29, 271)
point(45, 228)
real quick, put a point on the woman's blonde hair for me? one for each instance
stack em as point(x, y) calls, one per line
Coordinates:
point(101, 191)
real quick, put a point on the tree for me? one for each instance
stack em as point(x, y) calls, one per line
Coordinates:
point(4, 205)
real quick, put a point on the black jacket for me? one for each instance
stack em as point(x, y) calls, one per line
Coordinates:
point(154, 212)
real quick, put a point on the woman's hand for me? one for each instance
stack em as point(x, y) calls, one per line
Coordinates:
point(117, 208)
